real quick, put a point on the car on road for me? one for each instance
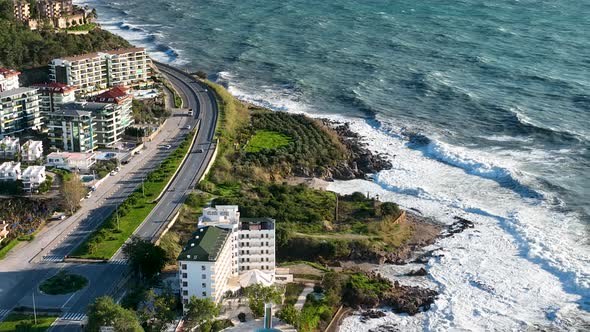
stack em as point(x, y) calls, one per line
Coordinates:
point(188, 127)
point(113, 172)
point(190, 111)
point(199, 150)
point(88, 195)
point(167, 146)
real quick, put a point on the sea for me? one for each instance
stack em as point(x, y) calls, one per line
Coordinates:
point(482, 106)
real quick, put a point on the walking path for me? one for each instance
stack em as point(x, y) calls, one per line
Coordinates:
point(303, 296)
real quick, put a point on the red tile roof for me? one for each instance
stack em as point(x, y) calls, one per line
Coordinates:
point(56, 87)
point(8, 72)
point(115, 95)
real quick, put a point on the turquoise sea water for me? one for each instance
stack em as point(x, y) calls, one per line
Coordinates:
point(498, 90)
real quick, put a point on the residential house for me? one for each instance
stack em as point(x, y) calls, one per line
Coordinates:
point(9, 147)
point(33, 177)
point(72, 130)
point(53, 95)
point(10, 171)
point(227, 252)
point(96, 71)
point(72, 161)
point(8, 79)
point(31, 151)
point(22, 10)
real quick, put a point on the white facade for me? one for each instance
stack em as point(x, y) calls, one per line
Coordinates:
point(250, 246)
point(9, 147)
point(206, 279)
point(72, 161)
point(10, 171)
point(31, 151)
point(8, 79)
point(33, 177)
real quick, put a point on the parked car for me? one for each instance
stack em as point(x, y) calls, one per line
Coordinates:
point(113, 172)
point(88, 195)
point(199, 150)
point(188, 127)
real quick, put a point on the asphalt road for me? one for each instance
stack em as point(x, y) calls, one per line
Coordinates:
point(105, 278)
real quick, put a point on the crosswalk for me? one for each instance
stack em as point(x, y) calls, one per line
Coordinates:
point(4, 313)
point(119, 262)
point(75, 316)
point(53, 258)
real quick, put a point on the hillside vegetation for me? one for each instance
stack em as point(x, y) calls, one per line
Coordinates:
point(23, 49)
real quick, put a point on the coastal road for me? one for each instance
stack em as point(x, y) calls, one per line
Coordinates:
point(29, 263)
point(107, 277)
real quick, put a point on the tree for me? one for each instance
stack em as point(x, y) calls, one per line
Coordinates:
point(105, 312)
point(144, 257)
point(389, 209)
point(258, 295)
point(199, 312)
point(158, 311)
point(289, 314)
point(72, 191)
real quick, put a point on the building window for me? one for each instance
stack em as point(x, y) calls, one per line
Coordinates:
point(184, 266)
point(204, 276)
point(204, 285)
point(204, 294)
point(184, 275)
point(185, 301)
point(203, 267)
point(184, 284)
point(185, 292)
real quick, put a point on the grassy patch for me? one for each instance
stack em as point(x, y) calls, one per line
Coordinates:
point(63, 283)
point(82, 27)
point(111, 235)
point(7, 247)
point(307, 276)
point(267, 140)
point(22, 322)
point(312, 264)
point(292, 292)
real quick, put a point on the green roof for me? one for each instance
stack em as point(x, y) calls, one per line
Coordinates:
point(205, 244)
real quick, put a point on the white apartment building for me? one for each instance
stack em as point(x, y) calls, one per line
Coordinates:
point(235, 247)
point(19, 110)
point(8, 79)
point(71, 130)
point(72, 161)
point(97, 71)
point(9, 147)
point(31, 151)
point(10, 171)
point(33, 177)
point(53, 95)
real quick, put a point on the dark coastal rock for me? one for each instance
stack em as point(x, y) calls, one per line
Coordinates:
point(371, 314)
point(417, 273)
point(410, 299)
point(458, 226)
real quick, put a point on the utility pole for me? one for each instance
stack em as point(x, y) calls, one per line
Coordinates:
point(34, 308)
point(117, 214)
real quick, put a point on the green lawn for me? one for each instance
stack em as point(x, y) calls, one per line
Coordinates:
point(266, 139)
point(111, 235)
point(7, 247)
point(22, 322)
point(63, 283)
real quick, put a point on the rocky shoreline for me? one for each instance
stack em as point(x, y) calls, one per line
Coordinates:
point(361, 161)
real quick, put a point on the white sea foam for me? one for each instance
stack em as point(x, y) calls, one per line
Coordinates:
point(523, 265)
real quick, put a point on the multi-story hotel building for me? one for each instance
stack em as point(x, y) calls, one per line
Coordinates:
point(223, 248)
point(97, 71)
point(19, 110)
point(55, 8)
point(71, 130)
point(53, 95)
point(22, 10)
point(8, 79)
